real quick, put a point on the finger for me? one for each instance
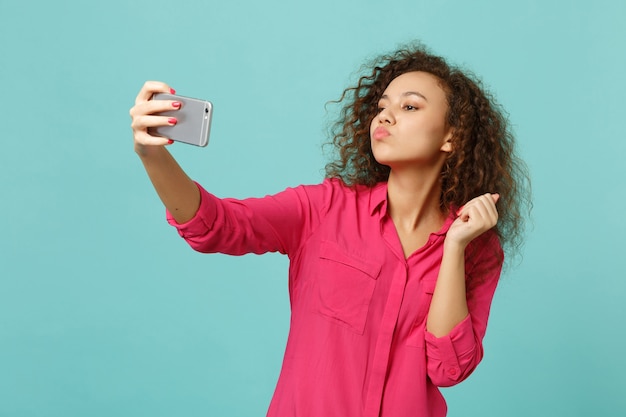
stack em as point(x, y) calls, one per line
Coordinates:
point(144, 122)
point(150, 88)
point(479, 208)
point(483, 204)
point(470, 209)
point(490, 203)
point(485, 207)
point(154, 106)
point(488, 197)
point(486, 211)
point(144, 138)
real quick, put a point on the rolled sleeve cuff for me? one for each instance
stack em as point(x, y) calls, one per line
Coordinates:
point(452, 358)
point(201, 223)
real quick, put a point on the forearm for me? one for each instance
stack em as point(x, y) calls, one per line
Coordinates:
point(177, 191)
point(449, 303)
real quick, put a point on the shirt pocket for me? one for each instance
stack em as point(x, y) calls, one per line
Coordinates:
point(346, 285)
point(416, 336)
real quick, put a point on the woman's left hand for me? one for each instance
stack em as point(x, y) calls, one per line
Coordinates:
point(475, 218)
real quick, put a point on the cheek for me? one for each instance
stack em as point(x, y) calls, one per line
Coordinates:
point(373, 125)
point(436, 127)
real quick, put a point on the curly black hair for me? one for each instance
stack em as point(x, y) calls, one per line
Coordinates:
point(483, 158)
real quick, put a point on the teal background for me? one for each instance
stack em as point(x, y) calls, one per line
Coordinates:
point(105, 311)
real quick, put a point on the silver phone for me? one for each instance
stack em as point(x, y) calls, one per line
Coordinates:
point(194, 120)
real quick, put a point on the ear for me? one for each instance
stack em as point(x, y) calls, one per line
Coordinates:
point(447, 144)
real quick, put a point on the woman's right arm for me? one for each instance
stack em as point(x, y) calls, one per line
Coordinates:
point(177, 191)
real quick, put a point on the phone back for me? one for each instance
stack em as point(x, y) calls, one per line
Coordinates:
point(194, 120)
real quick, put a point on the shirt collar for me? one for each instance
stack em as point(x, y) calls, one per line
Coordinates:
point(378, 198)
point(446, 224)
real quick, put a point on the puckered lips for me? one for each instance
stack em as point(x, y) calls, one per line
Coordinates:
point(380, 133)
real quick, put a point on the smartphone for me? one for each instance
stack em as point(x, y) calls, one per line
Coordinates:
point(194, 120)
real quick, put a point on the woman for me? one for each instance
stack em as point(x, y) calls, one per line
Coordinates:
point(394, 258)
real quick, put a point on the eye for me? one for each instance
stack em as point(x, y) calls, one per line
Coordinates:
point(410, 107)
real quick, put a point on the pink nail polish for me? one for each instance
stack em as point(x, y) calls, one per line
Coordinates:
point(172, 120)
point(176, 104)
point(172, 91)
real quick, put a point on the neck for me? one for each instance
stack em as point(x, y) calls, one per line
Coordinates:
point(414, 200)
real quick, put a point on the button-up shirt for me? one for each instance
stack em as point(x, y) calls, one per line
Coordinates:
point(358, 344)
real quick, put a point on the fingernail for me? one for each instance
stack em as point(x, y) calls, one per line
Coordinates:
point(172, 91)
point(176, 104)
point(170, 141)
point(172, 120)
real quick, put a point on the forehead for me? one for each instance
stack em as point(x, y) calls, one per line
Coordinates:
point(420, 82)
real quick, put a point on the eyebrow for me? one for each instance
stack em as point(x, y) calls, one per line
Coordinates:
point(408, 93)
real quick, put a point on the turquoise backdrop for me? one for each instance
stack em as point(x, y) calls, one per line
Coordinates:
point(104, 311)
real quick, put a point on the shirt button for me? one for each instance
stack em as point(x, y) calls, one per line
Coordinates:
point(452, 372)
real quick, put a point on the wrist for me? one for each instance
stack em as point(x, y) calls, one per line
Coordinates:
point(145, 151)
point(454, 246)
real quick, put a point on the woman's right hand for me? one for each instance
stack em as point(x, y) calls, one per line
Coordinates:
point(143, 116)
point(179, 193)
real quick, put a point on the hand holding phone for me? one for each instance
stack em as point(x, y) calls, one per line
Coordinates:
point(193, 120)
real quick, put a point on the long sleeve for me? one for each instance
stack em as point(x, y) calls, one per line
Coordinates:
point(275, 223)
point(452, 358)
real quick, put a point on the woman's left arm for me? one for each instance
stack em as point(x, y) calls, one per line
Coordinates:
point(450, 316)
point(449, 304)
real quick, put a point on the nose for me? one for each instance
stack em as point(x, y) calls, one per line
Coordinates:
point(385, 116)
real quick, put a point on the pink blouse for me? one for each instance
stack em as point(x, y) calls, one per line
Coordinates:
point(357, 343)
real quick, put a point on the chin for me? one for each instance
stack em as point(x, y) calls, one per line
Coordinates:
point(384, 159)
